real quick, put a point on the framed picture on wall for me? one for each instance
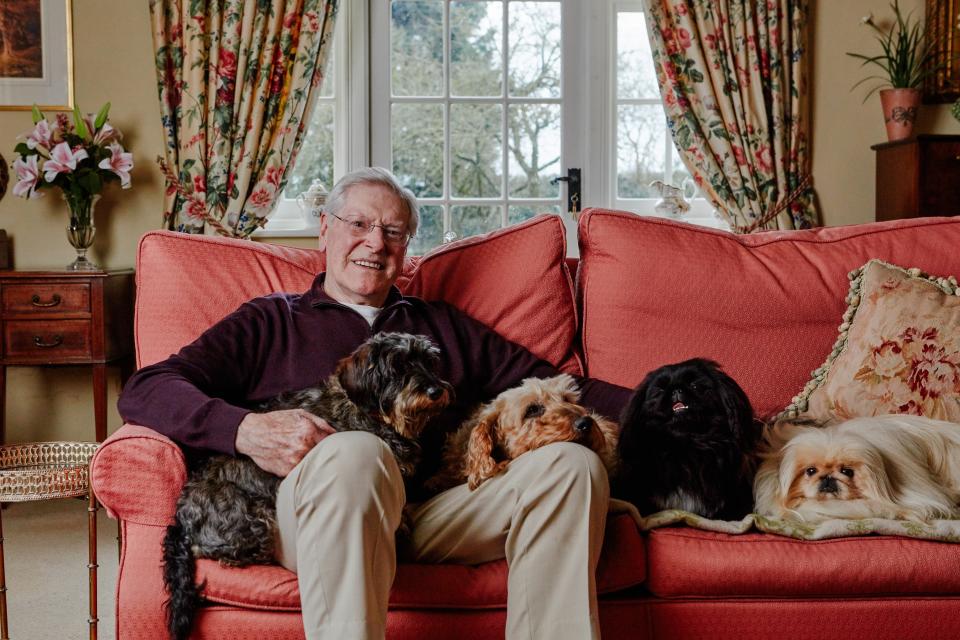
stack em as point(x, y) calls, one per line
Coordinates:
point(36, 54)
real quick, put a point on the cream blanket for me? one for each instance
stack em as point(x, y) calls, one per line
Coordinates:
point(939, 530)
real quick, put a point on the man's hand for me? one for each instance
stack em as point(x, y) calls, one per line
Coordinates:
point(278, 440)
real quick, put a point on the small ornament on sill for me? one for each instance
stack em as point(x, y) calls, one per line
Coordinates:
point(313, 199)
point(449, 237)
point(672, 203)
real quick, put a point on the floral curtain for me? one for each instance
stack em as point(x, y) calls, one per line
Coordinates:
point(733, 76)
point(236, 80)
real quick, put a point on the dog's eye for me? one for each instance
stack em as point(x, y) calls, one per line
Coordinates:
point(847, 471)
point(810, 471)
point(533, 411)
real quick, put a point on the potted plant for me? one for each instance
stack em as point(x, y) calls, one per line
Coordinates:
point(906, 60)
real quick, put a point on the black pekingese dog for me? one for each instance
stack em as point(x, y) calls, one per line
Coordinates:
point(688, 440)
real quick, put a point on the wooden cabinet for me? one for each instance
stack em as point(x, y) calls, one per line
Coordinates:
point(918, 177)
point(63, 317)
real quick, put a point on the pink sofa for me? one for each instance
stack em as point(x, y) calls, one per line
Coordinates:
point(646, 292)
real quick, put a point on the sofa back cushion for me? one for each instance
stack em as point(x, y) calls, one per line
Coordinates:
point(766, 306)
point(513, 280)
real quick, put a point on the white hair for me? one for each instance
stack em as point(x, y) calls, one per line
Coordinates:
point(374, 176)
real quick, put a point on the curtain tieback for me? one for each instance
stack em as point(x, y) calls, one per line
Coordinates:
point(780, 206)
point(173, 181)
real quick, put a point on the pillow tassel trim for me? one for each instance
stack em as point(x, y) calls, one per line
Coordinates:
point(799, 403)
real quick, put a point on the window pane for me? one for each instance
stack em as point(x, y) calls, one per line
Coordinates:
point(474, 220)
point(417, 137)
point(315, 159)
point(430, 231)
point(476, 61)
point(517, 214)
point(329, 81)
point(641, 147)
point(534, 46)
point(534, 135)
point(635, 72)
point(476, 159)
point(416, 47)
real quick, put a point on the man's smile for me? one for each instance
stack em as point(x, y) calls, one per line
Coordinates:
point(369, 264)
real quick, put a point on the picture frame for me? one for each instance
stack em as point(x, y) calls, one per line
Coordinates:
point(36, 55)
point(943, 27)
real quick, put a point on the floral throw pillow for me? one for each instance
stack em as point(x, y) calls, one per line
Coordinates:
point(898, 350)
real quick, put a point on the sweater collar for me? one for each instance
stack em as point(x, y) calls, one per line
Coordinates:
point(317, 296)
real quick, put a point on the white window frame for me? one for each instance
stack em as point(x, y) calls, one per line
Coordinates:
point(588, 85)
point(381, 151)
point(701, 211)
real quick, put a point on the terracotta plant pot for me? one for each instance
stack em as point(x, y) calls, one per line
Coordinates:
point(899, 111)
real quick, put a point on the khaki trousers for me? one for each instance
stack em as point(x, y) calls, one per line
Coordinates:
point(339, 509)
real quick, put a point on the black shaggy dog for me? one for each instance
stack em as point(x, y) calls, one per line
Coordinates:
point(227, 510)
point(687, 441)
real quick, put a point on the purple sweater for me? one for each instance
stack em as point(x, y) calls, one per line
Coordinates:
point(283, 342)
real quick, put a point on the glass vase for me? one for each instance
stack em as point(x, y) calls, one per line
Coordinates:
point(81, 230)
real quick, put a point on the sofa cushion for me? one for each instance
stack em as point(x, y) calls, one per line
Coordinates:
point(693, 563)
point(766, 306)
point(622, 565)
point(514, 280)
point(176, 303)
point(898, 350)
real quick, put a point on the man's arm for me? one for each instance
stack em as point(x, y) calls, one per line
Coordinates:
point(497, 364)
point(199, 399)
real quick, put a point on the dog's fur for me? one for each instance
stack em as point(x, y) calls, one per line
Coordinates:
point(893, 466)
point(535, 413)
point(227, 511)
point(687, 441)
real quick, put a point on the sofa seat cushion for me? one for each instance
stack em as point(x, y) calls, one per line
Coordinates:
point(622, 565)
point(766, 306)
point(691, 563)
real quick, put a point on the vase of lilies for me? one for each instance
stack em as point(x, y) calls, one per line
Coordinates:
point(77, 156)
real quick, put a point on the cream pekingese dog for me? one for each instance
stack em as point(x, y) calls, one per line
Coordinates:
point(893, 466)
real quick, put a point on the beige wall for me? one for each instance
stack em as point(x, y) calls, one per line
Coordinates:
point(844, 127)
point(113, 61)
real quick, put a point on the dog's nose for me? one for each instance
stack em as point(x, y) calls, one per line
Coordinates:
point(828, 484)
point(676, 395)
point(434, 393)
point(583, 423)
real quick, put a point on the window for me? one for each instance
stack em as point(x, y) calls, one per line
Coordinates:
point(643, 149)
point(467, 110)
point(479, 105)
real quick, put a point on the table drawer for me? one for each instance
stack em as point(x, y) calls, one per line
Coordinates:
point(29, 298)
point(42, 339)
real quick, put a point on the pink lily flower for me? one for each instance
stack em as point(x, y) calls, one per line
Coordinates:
point(41, 136)
point(103, 136)
point(63, 159)
point(27, 177)
point(119, 162)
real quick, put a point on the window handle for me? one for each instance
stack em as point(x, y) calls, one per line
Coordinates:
point(573, 180)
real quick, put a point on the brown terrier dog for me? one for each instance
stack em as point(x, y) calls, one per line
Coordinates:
point(534, 414)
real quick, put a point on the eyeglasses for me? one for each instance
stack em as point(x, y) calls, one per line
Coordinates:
point(360, 228)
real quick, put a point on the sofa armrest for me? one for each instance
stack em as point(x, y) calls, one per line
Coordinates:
point(137, 475)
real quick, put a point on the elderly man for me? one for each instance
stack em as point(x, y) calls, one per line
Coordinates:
point(341, 498)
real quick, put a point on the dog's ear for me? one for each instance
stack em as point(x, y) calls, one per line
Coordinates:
point(739, 411)
point(480, 464)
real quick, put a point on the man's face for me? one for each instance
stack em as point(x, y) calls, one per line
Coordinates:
point(361, 269)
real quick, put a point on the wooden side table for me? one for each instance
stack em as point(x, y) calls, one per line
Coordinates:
point(67, 318)
point(919, 176)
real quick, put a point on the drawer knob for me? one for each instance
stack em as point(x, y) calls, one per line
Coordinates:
point(56, 342)
point(54, 301)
